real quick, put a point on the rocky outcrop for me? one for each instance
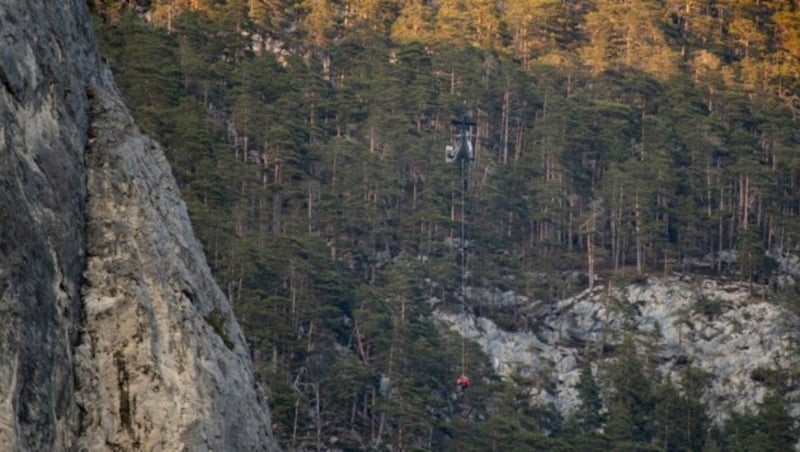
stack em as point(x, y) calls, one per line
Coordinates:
point(44, 118)
point(718, 327)
point(163, 364)
point(114, 334)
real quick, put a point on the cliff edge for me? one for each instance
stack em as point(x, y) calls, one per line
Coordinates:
point(114, 334)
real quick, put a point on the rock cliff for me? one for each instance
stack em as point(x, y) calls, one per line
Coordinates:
point(114, 334)
point(719, 327)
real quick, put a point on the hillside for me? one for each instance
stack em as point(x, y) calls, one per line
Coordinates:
point(615, 141)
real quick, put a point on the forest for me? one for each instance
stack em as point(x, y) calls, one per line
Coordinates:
point(614, 139)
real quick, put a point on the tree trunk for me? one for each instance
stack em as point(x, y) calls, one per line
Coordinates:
point(638, 231)
point(744, 201)
point(505, 123)
point(318, 417)
point(590, 255)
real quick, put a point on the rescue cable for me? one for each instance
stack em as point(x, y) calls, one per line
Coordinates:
point(463, 152)
point(464, 176)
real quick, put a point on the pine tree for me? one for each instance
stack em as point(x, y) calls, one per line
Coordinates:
point(680, 414)
point(771, 428)
point(630, 399)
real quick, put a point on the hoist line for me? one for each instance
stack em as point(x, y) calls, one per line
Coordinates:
point(463, 261)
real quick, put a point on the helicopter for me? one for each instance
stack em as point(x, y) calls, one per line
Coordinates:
point(462, 151)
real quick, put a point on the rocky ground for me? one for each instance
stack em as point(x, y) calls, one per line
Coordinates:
point(717, 326)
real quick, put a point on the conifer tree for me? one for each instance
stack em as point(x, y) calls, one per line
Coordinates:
point(630, 399)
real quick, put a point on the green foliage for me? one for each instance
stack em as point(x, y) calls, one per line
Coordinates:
point(635, 135)
point(151, 80)
point(589, 417)
point(217, 322)
point(631, 399)
point(709, 307)
point(771, 428)
point(584, 430)
point(680, 415)
point(752, 260)
point(513, 424)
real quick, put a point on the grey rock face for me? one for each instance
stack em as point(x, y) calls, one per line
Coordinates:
point(44, 117)
point(113, 333)
point(163, 365)
point(718, 327)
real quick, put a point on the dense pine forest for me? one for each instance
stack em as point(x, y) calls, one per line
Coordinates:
point(614, 139)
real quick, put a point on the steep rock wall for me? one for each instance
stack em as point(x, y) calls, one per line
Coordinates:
point(163, 365)
point(114, 334)
point(44, 116)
